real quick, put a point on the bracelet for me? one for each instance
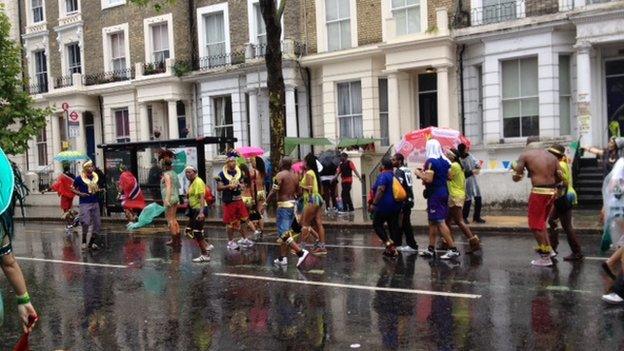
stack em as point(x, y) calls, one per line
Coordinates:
point(24, 299)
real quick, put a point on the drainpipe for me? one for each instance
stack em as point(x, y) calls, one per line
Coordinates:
point(101, 107)
point(309, 91)
point(192, 27)
point(461, 88)
point(23, 71)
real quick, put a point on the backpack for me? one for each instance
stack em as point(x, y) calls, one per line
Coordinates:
point(209, 196)
point(398, 191)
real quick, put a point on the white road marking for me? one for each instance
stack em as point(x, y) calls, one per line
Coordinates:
point(350, 286)
point(596, 258)
point(71, 262)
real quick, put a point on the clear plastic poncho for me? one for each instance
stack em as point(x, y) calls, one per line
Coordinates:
point(147, 216)
point(613, 205)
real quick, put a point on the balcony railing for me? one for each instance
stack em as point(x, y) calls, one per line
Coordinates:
point(38, 88)
point(511, 10)
point(222, 60)
point(109, 77)
point(63, 82)
point(154, 68)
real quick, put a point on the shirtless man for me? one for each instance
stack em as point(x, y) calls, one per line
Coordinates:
point(286, 187)
point(543, 169)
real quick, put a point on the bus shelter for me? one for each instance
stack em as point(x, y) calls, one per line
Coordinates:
point(141, 158)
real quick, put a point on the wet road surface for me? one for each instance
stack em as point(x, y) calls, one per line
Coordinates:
point(137, 295)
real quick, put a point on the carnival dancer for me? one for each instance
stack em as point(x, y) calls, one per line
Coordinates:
point(404, 175)
point(250, 197)
point(170, 192)
point(131, 196)
point(86, 187)
point(286, 188)
point(235, 212)
point(197, 212)
point(311, 217)
point(346, 169)
point(63, 187)
point(258, 173)
point(545, 174)
point(473, 192)
point(434, 177)
point(613, 217)
point(562, 210)
point(385, 209)
point(457, 196)
point(8, 263)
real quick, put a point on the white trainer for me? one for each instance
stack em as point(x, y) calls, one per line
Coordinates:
point(542, 261)
point(612, 298)
point(302, 258)
point(450, 254)
point(201, 259)
point(282, 262)
point(210, 247)
point(232, 245)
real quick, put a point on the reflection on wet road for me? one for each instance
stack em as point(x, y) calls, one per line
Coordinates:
point(138, 295)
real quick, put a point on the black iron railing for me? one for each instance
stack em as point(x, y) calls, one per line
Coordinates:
point(109, 77)
point(63, 82)
point(222, 60)
point(511, 10)
point(38, 88)
point(154, 68)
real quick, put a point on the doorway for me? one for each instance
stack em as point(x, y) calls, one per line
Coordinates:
point(428, 100)
point(614, 73)
point(89, 134)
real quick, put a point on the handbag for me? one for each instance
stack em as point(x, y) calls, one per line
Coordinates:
point(427, 192)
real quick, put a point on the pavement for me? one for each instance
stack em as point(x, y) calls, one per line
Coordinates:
point(497, 221)
point(137, 294)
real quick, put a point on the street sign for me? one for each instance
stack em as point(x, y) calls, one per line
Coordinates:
point(74, 130)
point(73, 116)
point(65, 106)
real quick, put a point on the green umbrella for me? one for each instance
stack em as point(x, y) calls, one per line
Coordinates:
point(290, 143)
point(70, 155)
point(7, 182)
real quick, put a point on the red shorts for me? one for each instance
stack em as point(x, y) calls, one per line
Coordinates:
point(235, 211)
point(66, 203)
point(539, 209)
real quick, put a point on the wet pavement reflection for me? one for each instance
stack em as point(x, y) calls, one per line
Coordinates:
point(138, 295)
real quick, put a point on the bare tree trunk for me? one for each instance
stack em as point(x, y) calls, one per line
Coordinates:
point(272, 15)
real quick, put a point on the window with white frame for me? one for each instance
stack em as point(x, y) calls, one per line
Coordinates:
point(224, 121)
point(122, 125)
point(261, 38)
point(495, 11)
point(565, 95)
point(41, 71)
point(350, 109)
point(42, 148)
point(215, 36)
point(383, 112)
point(160, 42)
point(71, 6)
point(36, 7)
point(406, 15)
point(118, 51)
point(74, 62)
point(520, 98)
point(111, 3)
point(338, 21)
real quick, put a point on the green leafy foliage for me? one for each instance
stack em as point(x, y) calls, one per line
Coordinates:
point(20, 120)
point(158, 5)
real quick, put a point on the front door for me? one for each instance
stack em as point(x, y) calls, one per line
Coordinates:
point(89, 134)
point(428, 100)
point(614, 71)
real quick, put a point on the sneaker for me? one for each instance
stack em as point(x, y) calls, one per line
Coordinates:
point(247, 243)
point(94, 247)
point(201, 259)
point(428, 253)
point(612, 298)
point(407, 248)
point(574, 257)
point(543, 261)
point(450, 254)
point(302, 258)
point(553, 254)
point(210, 247)
point(232, 245)
point(282, 262)
point(241, 241)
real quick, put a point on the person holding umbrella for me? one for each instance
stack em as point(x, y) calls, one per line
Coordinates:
point(63, 187)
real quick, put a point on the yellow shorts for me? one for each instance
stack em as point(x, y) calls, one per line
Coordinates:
point(456, 201)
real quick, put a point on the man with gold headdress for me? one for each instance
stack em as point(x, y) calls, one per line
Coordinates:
point(86, 187)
